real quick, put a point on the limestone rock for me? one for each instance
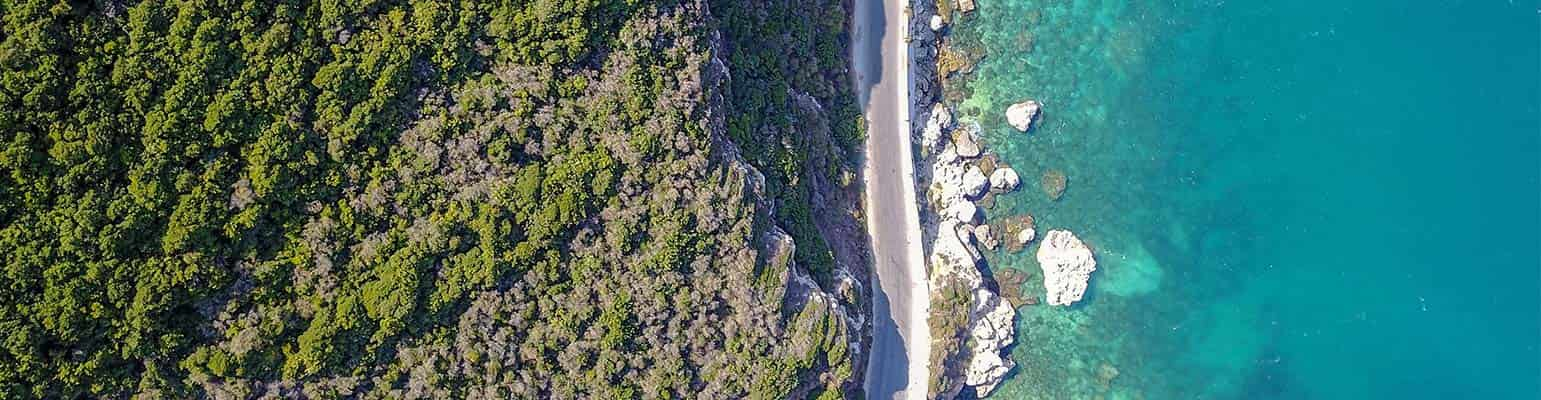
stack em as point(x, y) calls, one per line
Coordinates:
point(964, 142)
point(1021, 115)
point(1025, 236)
point(991, 332)
point(937, 124)
point(1004, 179)
point(986, 237)
point(962, 211)
point(1067, 266)
point(966, 5)
point(975, 184)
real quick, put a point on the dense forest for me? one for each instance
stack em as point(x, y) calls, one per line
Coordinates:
point(428, 199)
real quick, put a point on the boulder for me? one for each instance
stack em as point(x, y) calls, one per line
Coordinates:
point(964, 143)
point(1021, 115)
point(1025, 236)
point(986, 237)
point(975, 184)
point(966, 5)
point(937, 24)
point(1067, 267)
point(937, 124)
point(1004, 179)
point(962, 211)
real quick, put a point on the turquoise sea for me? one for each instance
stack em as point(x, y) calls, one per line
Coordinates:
point(1304, 199)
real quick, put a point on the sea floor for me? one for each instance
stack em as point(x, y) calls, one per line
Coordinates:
point(1286, 199)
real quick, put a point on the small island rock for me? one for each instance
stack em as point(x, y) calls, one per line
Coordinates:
point(1067, 266)
point(1021, 115)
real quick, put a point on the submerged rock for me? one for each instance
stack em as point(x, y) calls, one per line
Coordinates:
point(1004, 179)
point(1067, 266)
point(1053, 183)
point(1021, 115)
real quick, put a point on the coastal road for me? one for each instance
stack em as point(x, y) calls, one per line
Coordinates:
point(901, 340)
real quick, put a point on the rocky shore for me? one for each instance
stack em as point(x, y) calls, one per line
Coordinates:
point(973, 309)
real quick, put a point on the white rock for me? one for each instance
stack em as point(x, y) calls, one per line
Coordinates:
point(963, 211)
point(1004, 179)
point(975, 185)
point(1021, 115)
point(1067, 266)
point(983, 235)
point(1026, 235)
point(936, 23)
point(992, 331)
point(937, 125)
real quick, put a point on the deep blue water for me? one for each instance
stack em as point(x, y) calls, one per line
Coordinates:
point(1300, 199)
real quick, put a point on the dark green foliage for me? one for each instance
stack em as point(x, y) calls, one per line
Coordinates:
point(392, 198)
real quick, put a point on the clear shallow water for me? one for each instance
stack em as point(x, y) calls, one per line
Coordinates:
point(1287, 199)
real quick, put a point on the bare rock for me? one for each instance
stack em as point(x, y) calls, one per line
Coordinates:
point(991, 332)
point(1004, 179)
point(1021, 115)
point(986, 237)
point(975, 184)
point(962, 211)
point(1067, 267)
point(966, 6)
point(964, 142)
point(1025, 236)
point(937, 24)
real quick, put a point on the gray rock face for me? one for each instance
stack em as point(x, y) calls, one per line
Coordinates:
point(1067, 267)
point(1021, 115)
point(1004, 179)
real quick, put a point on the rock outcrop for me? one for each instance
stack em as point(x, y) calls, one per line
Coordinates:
point(1021, 115)
point(955, 183)
point(1004, 179)
point(992, 330)
point(1067, 267)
